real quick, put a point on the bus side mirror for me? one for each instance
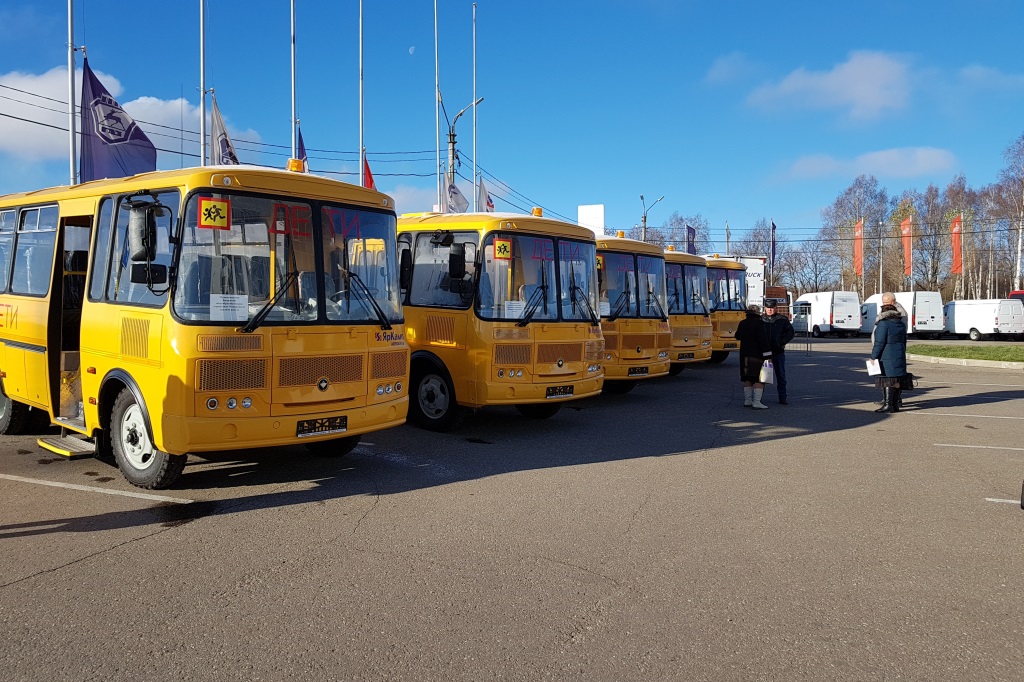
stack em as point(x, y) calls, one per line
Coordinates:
point(404, 268)
point(151, 274)
point(141, 234)
point(457, 261)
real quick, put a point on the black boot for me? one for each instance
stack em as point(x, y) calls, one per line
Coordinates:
point(895, 400)
point(886, 400)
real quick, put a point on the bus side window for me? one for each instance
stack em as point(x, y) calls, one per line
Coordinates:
point(6, 244)
point(33, 251)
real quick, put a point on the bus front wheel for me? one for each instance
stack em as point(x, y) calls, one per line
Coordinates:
point(539, 410)
point(432, 405)
point(13, 415)
point(718, 357)
point(141, 463)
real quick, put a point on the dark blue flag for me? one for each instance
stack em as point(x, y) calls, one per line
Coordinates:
point(113, 144)
point(691, 240)
point(302, 153)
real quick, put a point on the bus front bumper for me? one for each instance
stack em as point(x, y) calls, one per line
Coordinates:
point(684, 355)
point(182, 435)
point(615, 372)
point(511, 393)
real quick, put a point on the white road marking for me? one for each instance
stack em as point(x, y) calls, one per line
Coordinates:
point(996, 499)
point(980, 447)
point(955, 414)
point(91, 489)
point(964, 383)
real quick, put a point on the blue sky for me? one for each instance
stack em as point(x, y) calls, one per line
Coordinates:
point(738, 111)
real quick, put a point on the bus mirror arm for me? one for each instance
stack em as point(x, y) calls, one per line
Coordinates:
point(149, 274)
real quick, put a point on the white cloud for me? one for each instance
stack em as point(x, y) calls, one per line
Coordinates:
point(867, 85)
point(410, 199)
point(728, 68)
point(987, 78)
point(903, 162)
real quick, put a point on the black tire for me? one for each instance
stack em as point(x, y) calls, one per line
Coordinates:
point(816, 332)
point(718, 357)
point(140, 462)
point(432, 403)
point(539, 410)
point(676, 368)
point(618, 386)
point(335, 447)
point(14, 416)
point(975, 335)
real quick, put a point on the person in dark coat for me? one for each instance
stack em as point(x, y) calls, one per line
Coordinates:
point(780, 332)
point(890, 349)
point(754, 350)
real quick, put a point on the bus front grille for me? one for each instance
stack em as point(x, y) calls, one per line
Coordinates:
point(664, 340)
point(680, 333)
point(551, 352)
point(645, 341)
point(512, 353)
point(388, 365)
point(308, 371)
point(231, 375)
point(213, 343)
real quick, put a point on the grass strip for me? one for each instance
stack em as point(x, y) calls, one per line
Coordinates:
point(998, 353)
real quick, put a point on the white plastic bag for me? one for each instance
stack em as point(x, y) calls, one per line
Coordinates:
point(767, 373)
point(874, 368)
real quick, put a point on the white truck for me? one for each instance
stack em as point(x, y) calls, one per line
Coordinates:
point(981, 318)
point(831, 312)
point(924, 312)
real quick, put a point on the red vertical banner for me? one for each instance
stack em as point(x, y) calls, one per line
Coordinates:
point(858, 248)
point(908, 247)
point(958, 260)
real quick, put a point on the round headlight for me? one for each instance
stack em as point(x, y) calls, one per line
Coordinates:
point(501, 373)
point(211, 404)
point(380, 390)
point(232, 403)
point(388, 389)
point(398, 387)
point(519, 373)
point(247, 402)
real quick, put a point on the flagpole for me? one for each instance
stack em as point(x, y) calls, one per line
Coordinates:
point(911, 254)
point(963, 282)
point(202, 83)
point(476, 188)
point(437, 111)
point(72, 143)
point(362, 148)
point(295, 119)
point(771, 273)
point(879, 256)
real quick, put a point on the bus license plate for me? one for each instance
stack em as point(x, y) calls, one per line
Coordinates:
point(730, 345)
point(319, 427)
point(685, 356)
point(637, 371)
point(559, 391)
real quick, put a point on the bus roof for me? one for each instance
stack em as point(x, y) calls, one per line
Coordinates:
point(725, 264)
point(513, 222)
point(252, 178)
point(683, 257)
point(606, 243)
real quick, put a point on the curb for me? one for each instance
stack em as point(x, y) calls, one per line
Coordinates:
point(997, 364)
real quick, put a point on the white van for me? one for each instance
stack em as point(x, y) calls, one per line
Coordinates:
point(833, 312)
point(924, 312)
point(981, 318)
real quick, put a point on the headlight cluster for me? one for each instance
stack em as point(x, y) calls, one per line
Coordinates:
point(663, 355)
point(705, 344)
point(510, 373)
point(388, 389)
point(593, 368)
point(232, 403)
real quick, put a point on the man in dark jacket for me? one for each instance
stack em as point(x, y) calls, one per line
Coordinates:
point(754, 350)
point(780, 332)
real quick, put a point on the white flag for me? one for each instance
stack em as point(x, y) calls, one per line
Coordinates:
point(222, 152)
point(456, 202)
point(483, 199)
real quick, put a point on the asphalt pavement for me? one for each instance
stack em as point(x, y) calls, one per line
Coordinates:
point(666, 534)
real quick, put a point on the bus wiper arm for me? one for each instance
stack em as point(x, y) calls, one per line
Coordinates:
point(377, 310)
point(621, 302)
point(539, 294)
point(261, 315)
point(650, 296)
point(576, 292)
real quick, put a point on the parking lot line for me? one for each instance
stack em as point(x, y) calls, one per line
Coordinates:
point(980, 447)
point(996, 499)
point(91, 489)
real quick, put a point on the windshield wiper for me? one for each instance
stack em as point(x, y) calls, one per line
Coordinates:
point(540, 294)
point(661, 310)
point(261, 315)
point(582, 295)
point(377, 310)
point(621, 302)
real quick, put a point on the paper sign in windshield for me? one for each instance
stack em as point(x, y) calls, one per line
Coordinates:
point(229, 307)
point(514, 308)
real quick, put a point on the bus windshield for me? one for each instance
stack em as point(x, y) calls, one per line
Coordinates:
point(518, 280)
point(727, 289)
point(578, 276)
point(243, 256)
point(651, 296)
point(696, 279)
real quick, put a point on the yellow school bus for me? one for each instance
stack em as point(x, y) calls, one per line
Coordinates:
point(727, 295)
point(633, 311)
point(218, 308)
point(686, 279)
point(500, 309)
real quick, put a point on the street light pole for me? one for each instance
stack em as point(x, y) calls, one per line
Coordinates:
point(451, 142)
point(643, 221)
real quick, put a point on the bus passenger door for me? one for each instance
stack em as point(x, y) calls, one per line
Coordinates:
point(66, 320)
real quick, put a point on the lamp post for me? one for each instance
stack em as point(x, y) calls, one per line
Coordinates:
point(451, 142)
point(643, 222)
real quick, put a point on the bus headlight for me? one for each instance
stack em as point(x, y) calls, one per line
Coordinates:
point(388, 389)
point(211, 404)
point(593, 368)
point(501, 373)
point(663, 355)
point(380, 390)
point(246, 403)
point(232, 403)
point(519, 373)
point(398, 387)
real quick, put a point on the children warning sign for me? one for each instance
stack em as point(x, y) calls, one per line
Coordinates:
point(214, 214)
point(503, 249)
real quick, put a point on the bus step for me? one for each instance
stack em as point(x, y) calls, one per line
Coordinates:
point(67, 446)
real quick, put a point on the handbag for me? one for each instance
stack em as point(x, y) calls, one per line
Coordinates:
point(874, 368)
point(767, 375)
point(907, 382)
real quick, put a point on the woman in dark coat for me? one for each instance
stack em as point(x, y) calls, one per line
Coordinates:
point(755, 348)
point(890, 349)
